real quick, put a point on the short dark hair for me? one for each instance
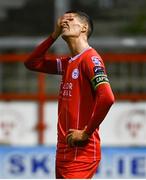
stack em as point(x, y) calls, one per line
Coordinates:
point(82, 15)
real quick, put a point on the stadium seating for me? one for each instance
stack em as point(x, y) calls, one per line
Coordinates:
point(30, 16)
point(7, 4)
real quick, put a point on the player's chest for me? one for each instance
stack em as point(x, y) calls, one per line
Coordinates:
point(73, 71)
point(71, 80)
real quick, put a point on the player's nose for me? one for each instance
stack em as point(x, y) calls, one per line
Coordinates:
point(64, 23)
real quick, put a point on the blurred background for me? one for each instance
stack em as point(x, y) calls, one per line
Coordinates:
point(28, 100)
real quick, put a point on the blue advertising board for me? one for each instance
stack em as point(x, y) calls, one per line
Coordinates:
point(27, 162)
point(39, 162)
point(122, 162)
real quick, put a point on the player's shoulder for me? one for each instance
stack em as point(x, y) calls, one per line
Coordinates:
point(92, 56)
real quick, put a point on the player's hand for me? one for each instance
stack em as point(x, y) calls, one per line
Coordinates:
point(58, 28)
point(61, 22)
point(77, 137)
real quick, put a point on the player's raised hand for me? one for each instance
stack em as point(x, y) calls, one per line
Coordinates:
point(77, 137)
point(61, 23)
point(57, 29)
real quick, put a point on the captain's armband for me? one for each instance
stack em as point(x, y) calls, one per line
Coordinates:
point(99, 79)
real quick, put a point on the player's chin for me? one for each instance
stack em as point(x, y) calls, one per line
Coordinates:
point(67, 35)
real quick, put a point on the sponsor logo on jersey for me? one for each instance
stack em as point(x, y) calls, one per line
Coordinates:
point(66, 89)
point(98, 70)
point(96, 61)
point(75, 73)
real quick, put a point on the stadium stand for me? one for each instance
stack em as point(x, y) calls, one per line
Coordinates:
point(5, 5)
point(26, 17)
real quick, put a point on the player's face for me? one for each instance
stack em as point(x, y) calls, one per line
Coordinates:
point(71, 25)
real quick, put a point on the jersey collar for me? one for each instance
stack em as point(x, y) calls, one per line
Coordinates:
point(78, 55)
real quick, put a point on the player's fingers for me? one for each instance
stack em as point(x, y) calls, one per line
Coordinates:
point(71, 130)
point(68, 137)
point(66, 20)
point(59, 20)
point(85, 127)
point(70, 141)
point(68, 16)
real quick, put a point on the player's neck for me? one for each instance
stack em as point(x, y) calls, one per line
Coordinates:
point(77, 45)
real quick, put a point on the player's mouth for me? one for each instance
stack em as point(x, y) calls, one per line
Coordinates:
point(65, 28)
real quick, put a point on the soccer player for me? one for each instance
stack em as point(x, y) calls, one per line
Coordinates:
point(85, 95)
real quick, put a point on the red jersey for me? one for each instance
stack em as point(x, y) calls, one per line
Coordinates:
point(80, 98)
point(76, 103)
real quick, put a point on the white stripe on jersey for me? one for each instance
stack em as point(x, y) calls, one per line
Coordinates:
point(77, 128)
point(66, 126)
point(94, 147)
point(59, 66)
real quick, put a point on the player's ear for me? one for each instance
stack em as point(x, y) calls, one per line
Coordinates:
point(84, 28)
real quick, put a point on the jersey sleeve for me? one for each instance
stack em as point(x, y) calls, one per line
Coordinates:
point(40, 61)
point(95, 71)
point(56, 66)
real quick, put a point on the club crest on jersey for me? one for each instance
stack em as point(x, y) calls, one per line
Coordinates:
point(75, 73)
point(96, 61)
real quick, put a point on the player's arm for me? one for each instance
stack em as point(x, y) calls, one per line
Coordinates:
point(39, 61)
point(104, 97)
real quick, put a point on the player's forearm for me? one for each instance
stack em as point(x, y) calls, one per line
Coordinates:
point(35, 57)
point(104, 100)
